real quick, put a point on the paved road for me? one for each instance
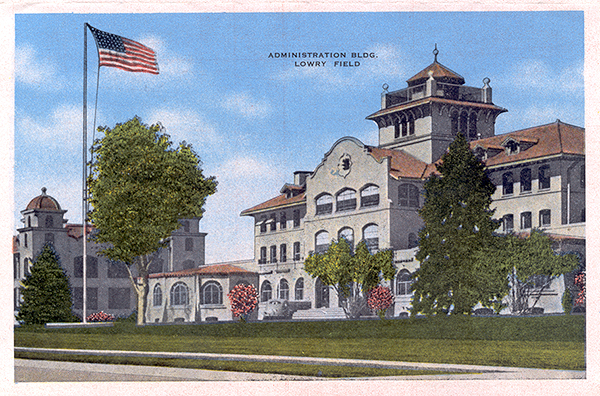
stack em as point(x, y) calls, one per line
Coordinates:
point(32, 370)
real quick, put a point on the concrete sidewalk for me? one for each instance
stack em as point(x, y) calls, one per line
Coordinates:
point(468, 371)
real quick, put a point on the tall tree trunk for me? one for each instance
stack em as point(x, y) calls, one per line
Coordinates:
point(141, 290)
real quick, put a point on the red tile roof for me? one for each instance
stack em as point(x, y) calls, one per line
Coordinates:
point(407, 105)
point(402, 164)
point(440, 72)
point(278, 201)
point(549, 139)
point(44, 202)
point(210, 270)
point(76, 230)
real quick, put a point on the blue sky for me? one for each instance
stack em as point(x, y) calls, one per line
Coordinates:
point(255, 120)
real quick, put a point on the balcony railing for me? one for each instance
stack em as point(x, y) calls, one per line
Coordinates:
point(443, 90)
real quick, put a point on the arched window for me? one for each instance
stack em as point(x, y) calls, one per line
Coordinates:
point(266, 292)
point(283, 291)
point(49, 222)
point(346, 200)
point(544, 177)
point(473, 126)
point(526, 180)
point(396, 128)
point(413, 241)
point(462, 123)
point(371, 237)
point(408, 196)
point(157, 296)
point(179, 294)
point(403, 283)
point(299, 289)
point(454, 123)
point(212, 293)
point(411, 126)
point(324, 204)
point(369, 196)
point(347, 233)
point(321, 241)
point(507, 183)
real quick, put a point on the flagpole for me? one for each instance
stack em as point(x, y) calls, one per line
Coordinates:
point(84, 181)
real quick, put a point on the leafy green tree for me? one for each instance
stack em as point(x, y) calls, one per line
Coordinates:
point(458, 223)
point(140, 187)
point(529, 266)
point(351, 275)
point(46, 292)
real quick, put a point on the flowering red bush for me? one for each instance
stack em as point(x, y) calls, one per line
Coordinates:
point(380, 299)
point(580, 282)
point(243, 299)
point(100, 317)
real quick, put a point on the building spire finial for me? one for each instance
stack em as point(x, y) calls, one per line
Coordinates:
point(435, 53)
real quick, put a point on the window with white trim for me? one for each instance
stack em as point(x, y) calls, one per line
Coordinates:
point(371, 237)
point(369, 196)
point(545, 218)
point(266, 291)
point(299, 289)
point(284, 290)
point(324, 204)
point(408, 196)
point(157, 295)
point(321, 242)
point(346, 200)
point(212, 293)
point(347, 234)
point(179, 294)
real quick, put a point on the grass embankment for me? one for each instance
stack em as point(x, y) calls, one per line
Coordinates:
point(554, 342)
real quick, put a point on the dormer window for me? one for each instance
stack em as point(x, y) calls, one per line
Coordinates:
point(480, 153)
point(512, 147)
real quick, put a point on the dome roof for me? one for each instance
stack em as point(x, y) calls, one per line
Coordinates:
point(45, 202)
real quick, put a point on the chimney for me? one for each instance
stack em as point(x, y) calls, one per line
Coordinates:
point(300, 177)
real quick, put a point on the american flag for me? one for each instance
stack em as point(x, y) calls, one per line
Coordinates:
point(125, 54)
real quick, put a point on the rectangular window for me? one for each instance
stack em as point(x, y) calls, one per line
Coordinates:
point(17, 265)
point(91, 267)
point(525, 220)
point(273, 222)
point(263, 255)
point(189, 245)
point(296, 218)
point(283, 253)
point(507, 183)
point(296, 251)
point(91, 297)
point(544, 177)
point(117, 270)
point(273, 255)
point(582, 176)
point(263, 224)
point(545, 218)
point(508, 223)
point(119, 297)
point(282, 221)
point(526, 180)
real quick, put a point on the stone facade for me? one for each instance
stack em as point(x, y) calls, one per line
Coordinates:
point(373, 193)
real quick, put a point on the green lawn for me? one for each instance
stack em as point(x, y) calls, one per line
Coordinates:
point(554, 342)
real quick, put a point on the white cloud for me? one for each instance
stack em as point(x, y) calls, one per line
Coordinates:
point(184, 124)
point(245, 105)
point(388, 63)
point(244, 181)
point(535, 74)
point(33, 70)
point(62, 127)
